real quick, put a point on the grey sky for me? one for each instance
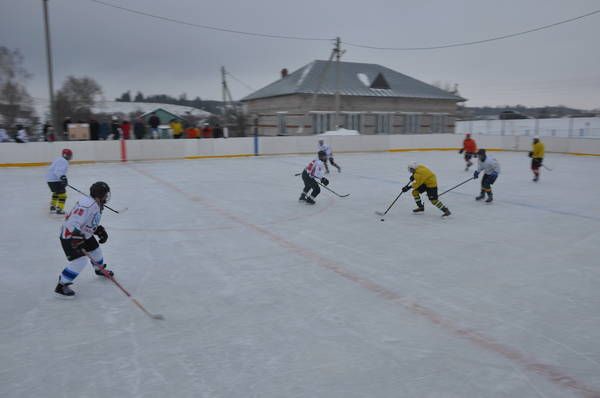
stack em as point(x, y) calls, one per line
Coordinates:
point(123, 51)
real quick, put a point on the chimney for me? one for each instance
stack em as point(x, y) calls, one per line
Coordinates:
point(284, 73)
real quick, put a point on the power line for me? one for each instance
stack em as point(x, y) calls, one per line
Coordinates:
point(195, 25)
point(470, 43)
point(240, 81)
point(287, 37)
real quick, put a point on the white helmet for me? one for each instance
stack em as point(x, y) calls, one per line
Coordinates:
point(412, 166)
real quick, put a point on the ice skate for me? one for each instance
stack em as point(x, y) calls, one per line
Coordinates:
point(302, 197)
point(419, 209)
point(490, 198)
point(52, 209)
point(101, 271)
point(59, 211)
point(481, 196)
point(446, 212)
point(64, 290)
point(310, 200)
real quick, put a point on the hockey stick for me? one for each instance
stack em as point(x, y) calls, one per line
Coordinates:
point(112, 278)
point(456, 186)
point(297, 174)
point(546, 167)
point(331, 190)
point(109, 208)
point(379, 213)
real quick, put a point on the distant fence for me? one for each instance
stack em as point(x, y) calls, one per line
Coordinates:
point(585, 127)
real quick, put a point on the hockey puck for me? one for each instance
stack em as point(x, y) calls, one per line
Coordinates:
point(382, 219)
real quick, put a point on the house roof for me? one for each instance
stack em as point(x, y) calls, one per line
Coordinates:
point(356, 79)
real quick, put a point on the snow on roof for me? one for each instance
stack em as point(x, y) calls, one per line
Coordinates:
point(112, 107)
point(341, 132)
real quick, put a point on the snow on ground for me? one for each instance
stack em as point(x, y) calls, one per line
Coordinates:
point(267, 297)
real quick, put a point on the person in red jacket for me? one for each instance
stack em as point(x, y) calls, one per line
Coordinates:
point(126, 129)
point(470, 149)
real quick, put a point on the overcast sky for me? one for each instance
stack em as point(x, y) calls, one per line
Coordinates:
point(123, 51)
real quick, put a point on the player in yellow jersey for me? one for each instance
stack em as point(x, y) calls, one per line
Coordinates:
point(424, 181)
point(537, 157)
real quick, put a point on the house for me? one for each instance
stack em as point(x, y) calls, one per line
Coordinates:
point(373, 99)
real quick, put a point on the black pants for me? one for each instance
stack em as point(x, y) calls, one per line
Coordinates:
point(487, 181)
point(88, 245)
point(57, 187)
point(432, 193)
point(536, 163)
point(310, 183)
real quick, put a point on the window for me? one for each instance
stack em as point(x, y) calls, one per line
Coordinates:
point(412, 124)
point(281, 124)
point(322, 122)
point(438, 124)
point(383, 123)
point(352, 121)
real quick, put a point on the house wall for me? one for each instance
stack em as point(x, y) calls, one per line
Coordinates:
point(269, 112)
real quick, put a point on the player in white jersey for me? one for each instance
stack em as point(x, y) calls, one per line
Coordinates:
point(329, 156)
point(491, 169)
point(77, 238)
point(313, 172)
point(57, 181)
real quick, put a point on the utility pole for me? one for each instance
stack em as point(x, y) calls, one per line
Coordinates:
point(226, 96)
point(338, 54)
point(53, 115)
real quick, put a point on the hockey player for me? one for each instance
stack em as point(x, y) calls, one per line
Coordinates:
point(470, 150)
point(424, 181)
point(491, 169)
point(57, 181)
point(327, 149)
point(77, 237)
point(537, 157)
point(313, 172)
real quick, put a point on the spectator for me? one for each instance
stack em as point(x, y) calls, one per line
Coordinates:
point(115, 129)
point(51, 137)
point(207, 131)
point(192, 132)
point(154, 122)
point(22, 136)
point(218, 132)
point(176, 128)
point(45, 128)
point(104, 130)
point(66, 123)
point(126, 129)
point(4, 135)
point(139, 130)
point(94, 130)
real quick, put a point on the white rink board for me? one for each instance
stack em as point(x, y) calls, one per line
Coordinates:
point(267, 297)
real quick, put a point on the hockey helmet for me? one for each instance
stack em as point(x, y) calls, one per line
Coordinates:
point(481, 154)
point(412, 166)
point(67, 153)
point(468, 135)
point(100, 190)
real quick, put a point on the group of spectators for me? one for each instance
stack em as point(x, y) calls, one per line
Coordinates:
point(116, 129)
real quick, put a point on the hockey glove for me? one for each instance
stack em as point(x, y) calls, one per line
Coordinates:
point(530, 154)
point(405, 188)
point(461, 151)
point(64, 180)
point(476, 174)
point(102, 234)
point(324, 181)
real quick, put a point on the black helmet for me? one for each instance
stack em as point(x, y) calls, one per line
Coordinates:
point(481, 152)
point(100, 190)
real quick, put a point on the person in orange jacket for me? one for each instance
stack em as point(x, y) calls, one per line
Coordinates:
point(470, 149)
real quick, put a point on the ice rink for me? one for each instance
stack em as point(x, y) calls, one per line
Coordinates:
point(264, 296)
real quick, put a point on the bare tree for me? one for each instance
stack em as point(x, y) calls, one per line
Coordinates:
point(15, 102)
point(77, 97)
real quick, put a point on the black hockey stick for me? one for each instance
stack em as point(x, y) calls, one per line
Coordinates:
point(546, 167)
point(297, 174)
point(379, 213)
point(456, 186)
point(109, 208)
point(331, 190)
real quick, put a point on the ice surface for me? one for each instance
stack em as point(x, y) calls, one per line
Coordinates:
point(267, 297)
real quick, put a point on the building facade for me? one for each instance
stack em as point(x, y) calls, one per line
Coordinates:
point(372, 100)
